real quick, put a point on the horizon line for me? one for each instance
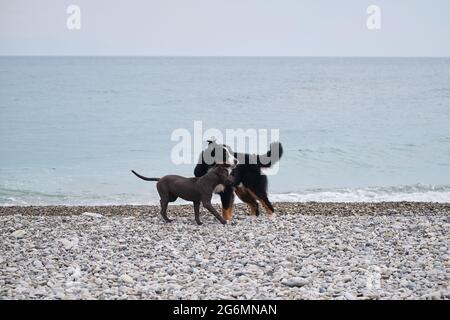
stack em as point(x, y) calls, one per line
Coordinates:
point(211, 56)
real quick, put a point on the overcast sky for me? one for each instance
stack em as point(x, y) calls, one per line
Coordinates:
point(225, 28)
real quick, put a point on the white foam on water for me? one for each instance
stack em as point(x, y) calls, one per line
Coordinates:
point(413, 193)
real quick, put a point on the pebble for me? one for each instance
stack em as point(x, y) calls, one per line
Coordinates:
point(18, 234)
point(295, 282)
point(66, 243)
point(349, 296)
point(126, 278)
point(92, 214)
point(433, 296)
point(37, 264)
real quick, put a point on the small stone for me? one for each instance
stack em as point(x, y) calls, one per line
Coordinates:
point(75, 272)
point(18, 234)
point(67, 244)
point(295, 282)
point(349, 296)
point(433, 295)
point(174, 287)
point(92, 214)
point(37, 264)
point(290, 258)
point(346, 278)
point(126, 278)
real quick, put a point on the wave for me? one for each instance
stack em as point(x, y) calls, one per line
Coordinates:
point(412, 193)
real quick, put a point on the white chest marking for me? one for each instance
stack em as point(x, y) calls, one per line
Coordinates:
point(219, 188)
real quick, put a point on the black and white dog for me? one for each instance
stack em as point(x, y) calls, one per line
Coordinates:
point(250, 184)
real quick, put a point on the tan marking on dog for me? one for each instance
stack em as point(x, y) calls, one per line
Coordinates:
point(227, 214)
point(244, 194)
point(268, 210)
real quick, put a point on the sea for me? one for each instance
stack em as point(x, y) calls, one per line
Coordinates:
point(353, 129)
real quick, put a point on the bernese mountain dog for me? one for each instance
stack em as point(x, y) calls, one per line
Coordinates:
point(250, 184)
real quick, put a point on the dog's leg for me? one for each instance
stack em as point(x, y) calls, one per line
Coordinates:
point(267, 205)
point(207, 204)
point(255, 208)
point(197, 212)
point(227, 199)
point(262, 197)
point(164, 210)
point(249, 199)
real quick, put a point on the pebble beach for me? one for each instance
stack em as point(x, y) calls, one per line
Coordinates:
point(392, 250)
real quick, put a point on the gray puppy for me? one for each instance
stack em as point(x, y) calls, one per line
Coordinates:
point(197, 190)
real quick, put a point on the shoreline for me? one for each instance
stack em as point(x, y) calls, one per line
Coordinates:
point(281, 208)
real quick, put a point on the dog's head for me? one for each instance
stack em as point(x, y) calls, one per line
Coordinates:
point(223, 172)
point(218, 154)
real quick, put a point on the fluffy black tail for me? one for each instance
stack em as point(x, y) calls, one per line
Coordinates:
point(272, 156)
point(144, 178)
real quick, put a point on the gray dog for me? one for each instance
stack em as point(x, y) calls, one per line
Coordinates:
point(197, 190)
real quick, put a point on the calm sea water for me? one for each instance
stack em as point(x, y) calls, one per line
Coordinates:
point(353, 129)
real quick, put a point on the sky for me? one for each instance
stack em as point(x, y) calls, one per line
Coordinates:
point(409, 28)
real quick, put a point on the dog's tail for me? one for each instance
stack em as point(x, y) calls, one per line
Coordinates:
point(272, 156)
point(144, 178)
